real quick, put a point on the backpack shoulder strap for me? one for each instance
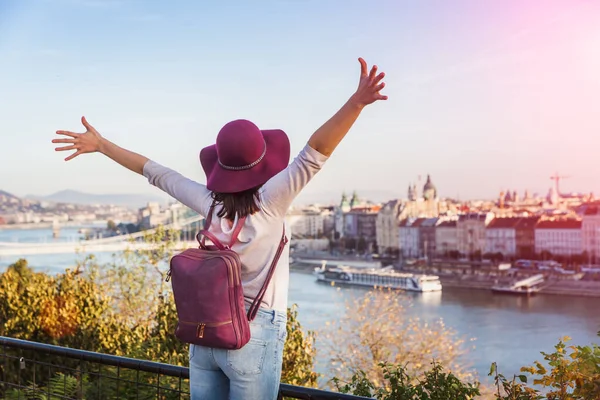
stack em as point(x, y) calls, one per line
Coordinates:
point(206, 234)
point(258, 299)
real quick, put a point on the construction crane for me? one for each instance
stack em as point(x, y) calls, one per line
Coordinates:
point(557, 178)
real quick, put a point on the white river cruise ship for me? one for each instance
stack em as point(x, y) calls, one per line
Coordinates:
point(380, 277)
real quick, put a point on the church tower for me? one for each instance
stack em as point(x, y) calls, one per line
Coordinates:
point(412, 195)
point(429, 190)
point(344, 205)
point(354, 202)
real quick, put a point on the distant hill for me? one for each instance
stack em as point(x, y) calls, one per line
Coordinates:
point(8, 195)
point(75, 197)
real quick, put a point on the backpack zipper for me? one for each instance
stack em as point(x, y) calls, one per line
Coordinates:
point(201, 325)
point(233, 276)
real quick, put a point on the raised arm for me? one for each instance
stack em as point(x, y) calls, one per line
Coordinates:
point(91, 142)
point(281, 190)
point(328, 136)
point(192, 194)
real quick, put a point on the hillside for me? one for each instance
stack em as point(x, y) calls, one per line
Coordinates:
point(75, 197)
point(5, 195)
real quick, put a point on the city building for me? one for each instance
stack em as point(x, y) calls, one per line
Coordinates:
point(355, 219)
point(386, 227)
point(152, 215)
point(425, 206)
point(501, 236)
point(558, 237)
point(590, 229)
point(446, 238)
point(525, 236)
point(471, 232)
point(361, 222)
point(410, 238)
point(427, 243)
point(306, 223)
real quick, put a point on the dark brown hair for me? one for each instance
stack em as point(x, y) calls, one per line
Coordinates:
point(241, 203)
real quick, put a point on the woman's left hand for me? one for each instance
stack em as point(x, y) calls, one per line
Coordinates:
point(88, 142)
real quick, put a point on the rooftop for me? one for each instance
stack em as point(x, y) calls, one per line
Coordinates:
point(559, 224)
point(504, 223)
point(472, 216)
point(447, 224)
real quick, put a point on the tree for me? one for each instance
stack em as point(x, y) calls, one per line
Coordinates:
point(569, 373)
point(111, 226)
point(475, 256)
point(435, 384)
point(123, 308)
point(299, 353)
point(350, 243)
point(545, 255)
point(376, 328)
point(362, 245)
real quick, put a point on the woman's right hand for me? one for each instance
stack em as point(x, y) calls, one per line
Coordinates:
point(88, 142)
point(369, 85)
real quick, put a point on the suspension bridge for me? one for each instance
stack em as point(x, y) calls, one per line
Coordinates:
point(109, 244)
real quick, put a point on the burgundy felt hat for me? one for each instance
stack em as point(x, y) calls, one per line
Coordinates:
point(244, 157)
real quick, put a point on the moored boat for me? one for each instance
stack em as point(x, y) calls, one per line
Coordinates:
point(528, 286)
point(379, 277)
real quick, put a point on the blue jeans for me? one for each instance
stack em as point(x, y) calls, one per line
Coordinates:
point(252, 372)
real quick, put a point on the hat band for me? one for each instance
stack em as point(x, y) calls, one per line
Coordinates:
point(245, 166)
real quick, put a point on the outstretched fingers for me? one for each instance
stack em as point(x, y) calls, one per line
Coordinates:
point(72, 156)
point(66, 148)
point(373, 72)
point(63, 140)
point(378, 78)
point(86, 124)
point(380, 86)
point(371, 83)
point(67, 133)
point(363, 66)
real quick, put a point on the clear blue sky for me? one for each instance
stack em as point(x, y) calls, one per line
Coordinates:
point(483, 95)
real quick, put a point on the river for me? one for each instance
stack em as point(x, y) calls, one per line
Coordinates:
point(509, 330)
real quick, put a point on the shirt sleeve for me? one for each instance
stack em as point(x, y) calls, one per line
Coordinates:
point(281, 190)
point(192, 194)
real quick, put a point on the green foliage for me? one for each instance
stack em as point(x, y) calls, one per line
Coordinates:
point(111, 226)
point(123, 308)
point(573, 374)
point(511, 389)
point(298, 354)
point(434, 384)
point(60, 386)
point(378, 328)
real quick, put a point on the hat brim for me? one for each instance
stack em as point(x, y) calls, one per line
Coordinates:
point(221, 180)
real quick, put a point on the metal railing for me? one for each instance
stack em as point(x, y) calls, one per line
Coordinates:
point(31, 370)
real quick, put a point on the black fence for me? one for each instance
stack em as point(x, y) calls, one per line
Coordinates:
point(37, 371)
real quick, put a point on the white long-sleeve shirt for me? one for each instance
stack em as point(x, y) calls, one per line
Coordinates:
point(260, 237)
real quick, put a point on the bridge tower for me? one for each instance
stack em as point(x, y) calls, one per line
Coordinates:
point(176, 225)
point(55, 229)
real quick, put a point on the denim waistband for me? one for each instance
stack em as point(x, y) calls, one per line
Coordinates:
point(269, 314)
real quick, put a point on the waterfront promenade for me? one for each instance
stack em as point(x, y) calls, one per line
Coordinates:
point(508, 329)
point(108, 244)
point(28, 249)
point(553, 285)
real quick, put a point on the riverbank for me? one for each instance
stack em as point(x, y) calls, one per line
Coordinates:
point(558, 288)
point(48, 225)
